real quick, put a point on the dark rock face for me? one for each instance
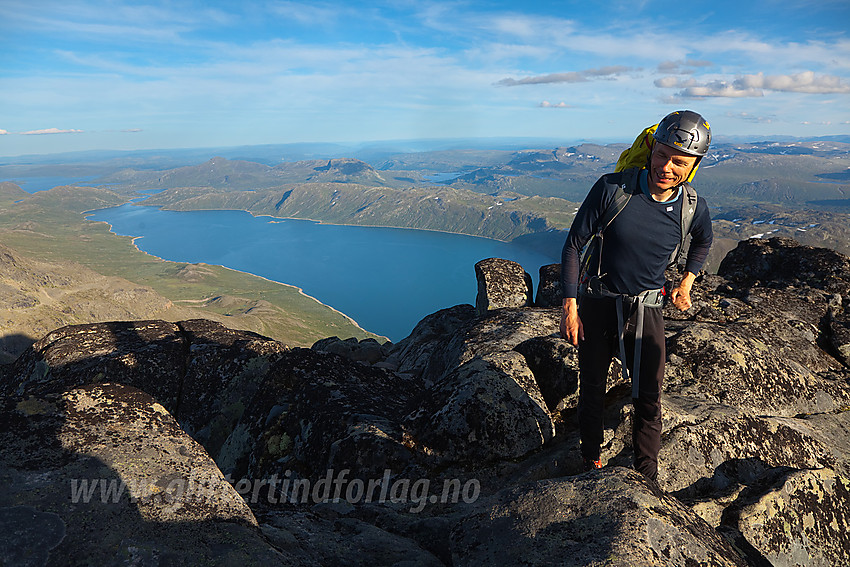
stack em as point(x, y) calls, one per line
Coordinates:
point(367, 351)
point(612, 517)
point(114, 478)
point(455, 446)
point(487, 408)
point(838, 321)
point(780, 262)
point(764, 358)
point(501, 283)
point(147, 355)
point(549, 292)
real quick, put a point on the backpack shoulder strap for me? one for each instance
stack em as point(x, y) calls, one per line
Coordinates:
point(622, 194)
point(689, 207)
point(621, 198)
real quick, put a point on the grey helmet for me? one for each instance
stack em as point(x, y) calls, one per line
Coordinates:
point(684, 130)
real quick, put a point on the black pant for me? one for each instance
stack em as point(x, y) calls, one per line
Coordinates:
point(600, 345)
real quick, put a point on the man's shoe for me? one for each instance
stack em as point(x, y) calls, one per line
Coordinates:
point(590, 464)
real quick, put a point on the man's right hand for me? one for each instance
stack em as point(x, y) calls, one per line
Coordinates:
point(571, 327)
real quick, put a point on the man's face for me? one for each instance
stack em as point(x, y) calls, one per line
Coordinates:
point(669, 167)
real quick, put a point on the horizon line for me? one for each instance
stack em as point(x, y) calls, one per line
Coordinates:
point(365, 143)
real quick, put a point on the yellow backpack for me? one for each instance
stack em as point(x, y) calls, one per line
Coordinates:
point(638, 154)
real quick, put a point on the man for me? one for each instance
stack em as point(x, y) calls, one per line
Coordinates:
point(619, 300)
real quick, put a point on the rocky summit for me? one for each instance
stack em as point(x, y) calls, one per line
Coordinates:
point(155, 443)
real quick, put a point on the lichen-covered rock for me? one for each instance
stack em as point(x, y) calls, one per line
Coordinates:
point(495, 332)
point(146, 354)
point(554, 363)
point(838, 323)
point(609, 517)
point(765, 366)
point(501, 283)
point(106, 475)
point(549, 292)
point(533, 332)
point(318, 411)
point(318, 539)
point(488, 408)
point(225, 371)
point(421, 349)
point(699, 439)
point(801, 518)
point(368, 350)
point(759, 348)
point(166, 472)
point(779, 262)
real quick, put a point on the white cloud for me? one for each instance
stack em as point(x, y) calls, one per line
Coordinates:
point(825, 53)
point(313, 14)
point(3, 132)
point(130, 23)
point(686, 67)
point(720, 89)
point(547, 104)
point(51, 131)
point(674, 83)
point(806, 82)
point(569, 77)
point(755, 85)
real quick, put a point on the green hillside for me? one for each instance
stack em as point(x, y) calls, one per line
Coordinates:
point(503, 216)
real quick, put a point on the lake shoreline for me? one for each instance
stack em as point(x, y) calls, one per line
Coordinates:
point(300, 291)
point(327, 223)
point(383, 279)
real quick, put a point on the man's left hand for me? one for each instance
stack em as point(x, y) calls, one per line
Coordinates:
point(681, 298)
point(681, 295)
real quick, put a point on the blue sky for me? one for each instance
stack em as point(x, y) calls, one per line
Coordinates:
point(99, 74)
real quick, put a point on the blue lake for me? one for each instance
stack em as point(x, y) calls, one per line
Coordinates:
point(386, 279)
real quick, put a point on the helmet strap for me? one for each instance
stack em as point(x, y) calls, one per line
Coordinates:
point(650, 143)
point(693, 170)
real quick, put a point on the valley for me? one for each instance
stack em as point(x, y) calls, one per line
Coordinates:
point(56, 268)
point(527, 196)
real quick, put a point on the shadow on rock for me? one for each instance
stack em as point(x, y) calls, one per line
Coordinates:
point(97, 470)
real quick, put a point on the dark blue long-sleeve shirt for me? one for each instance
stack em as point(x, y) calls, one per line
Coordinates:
point(637, 245)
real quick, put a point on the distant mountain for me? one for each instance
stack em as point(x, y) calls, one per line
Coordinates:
point(346, 170)
point(504, 216)
point(798, 177)
point(489, 188)
point(217, 172)
point(221, 173)
point(794, 173)
point(808, 226)
point(272, 154)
